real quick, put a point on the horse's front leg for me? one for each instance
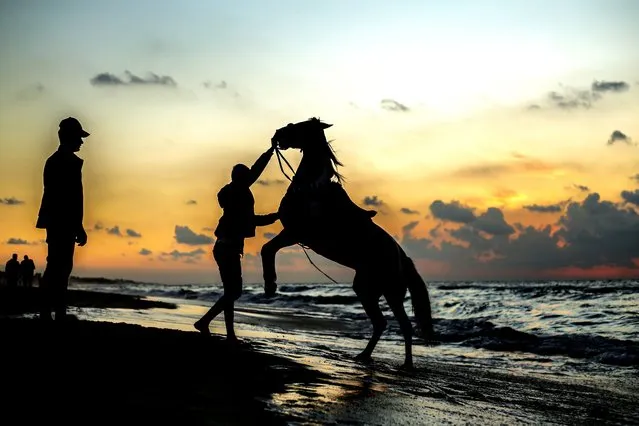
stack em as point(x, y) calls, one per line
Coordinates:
point(269, 250)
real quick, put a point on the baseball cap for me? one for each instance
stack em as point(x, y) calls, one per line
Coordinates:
point(73, 126)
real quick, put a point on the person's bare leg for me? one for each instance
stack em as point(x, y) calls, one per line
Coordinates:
point(202, 325)
point(229, 316)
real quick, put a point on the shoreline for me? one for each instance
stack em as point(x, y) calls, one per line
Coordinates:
point(22, 300)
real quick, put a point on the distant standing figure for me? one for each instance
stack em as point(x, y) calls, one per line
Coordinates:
point(12, 271)
point(27, 268)
point(237, 223)
point(61, 214)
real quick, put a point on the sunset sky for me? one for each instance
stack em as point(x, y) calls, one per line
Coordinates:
point(497, 139)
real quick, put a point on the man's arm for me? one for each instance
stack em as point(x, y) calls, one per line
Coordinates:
point(265, 219)
point(259, 166)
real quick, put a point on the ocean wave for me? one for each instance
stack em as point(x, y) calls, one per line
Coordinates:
point(481, 333)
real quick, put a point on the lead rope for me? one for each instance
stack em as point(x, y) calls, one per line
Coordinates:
point(281, 157)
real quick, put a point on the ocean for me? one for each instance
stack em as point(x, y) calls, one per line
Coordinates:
point(580, 328)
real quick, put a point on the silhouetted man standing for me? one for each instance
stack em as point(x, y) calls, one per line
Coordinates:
point(27, 268)
point(61, 215)
point(12, 270)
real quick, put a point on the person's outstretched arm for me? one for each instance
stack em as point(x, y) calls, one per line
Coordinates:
point(260, 165)
point(265, 219)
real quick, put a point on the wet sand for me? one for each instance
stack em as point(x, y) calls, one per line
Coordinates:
point(129, 374)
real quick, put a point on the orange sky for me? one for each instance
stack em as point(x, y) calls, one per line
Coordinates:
point(514, 113)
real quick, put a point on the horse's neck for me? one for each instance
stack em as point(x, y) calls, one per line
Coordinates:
point(313, 172)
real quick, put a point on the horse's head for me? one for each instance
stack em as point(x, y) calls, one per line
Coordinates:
point(302, 135)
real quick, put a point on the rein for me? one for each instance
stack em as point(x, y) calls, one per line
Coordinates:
point(281, 157)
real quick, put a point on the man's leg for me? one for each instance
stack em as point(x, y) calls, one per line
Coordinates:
point(57, 273)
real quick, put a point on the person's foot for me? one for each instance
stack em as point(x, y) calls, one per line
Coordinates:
point(202, 328)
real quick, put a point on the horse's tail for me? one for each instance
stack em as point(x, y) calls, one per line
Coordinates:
point(419, 297)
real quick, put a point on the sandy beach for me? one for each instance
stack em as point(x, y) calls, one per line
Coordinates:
point(96, 372)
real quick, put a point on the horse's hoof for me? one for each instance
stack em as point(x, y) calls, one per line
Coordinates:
point(364, 358)
point(407, 367)
point(270, 289)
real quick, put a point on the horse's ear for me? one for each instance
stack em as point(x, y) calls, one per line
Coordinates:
point(325, 125)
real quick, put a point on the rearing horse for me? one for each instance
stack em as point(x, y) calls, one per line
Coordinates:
point(317, 212)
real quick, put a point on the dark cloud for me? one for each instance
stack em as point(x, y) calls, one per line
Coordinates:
point(619, 136)
point(533, 107)
point(631, 197)
point(270, 182)
point(114, 231)
point(408, 228)
point(18, 242)
point(588, 234)
point(393, 105)
point(582, 188)
point(492, 222)
point(98, 226)
point(406, 210)
point(210, 85)
point(572, 98)
point(269, 235)
point(186, 256)
point(12, 201)
point(609, 86)
point(550, 208)
point(372, 201)
point(184, 235)
point(635, 177)
point(108, 79)
point(208, 229)
point(145, 252)
point(133, 234)
point(452, 212)
point(191, 202)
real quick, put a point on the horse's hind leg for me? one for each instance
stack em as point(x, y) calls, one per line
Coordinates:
point(370, 301)
point(397, 306)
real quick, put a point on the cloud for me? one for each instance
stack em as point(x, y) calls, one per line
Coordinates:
point(519, 164)
point(186, 256)
point(589, 234)
point(573, 98)
point(208, 229)
point(533, 107)
point(372, 201)
point(133, 234)
point(269, 235)
point(569, 98)
point(406, 210)
point(145, 252)
point(550, 208)
point(114, 231)
point(191, 202)
point(18, 242)
point(635, 177)
point(492, 222)
point(408, 228)
point(618, 136)
point(631, 197)
point(31, 93)
point(98, 226)
point(609, 86)
point(393, 105)
point(108, 79)
point(12, 201)
point(582, 188)
point(270, 182)
point(452, 212)
point(210, 85)
point(184, 235)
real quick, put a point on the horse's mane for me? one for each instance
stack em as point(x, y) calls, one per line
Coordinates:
point(328, 151)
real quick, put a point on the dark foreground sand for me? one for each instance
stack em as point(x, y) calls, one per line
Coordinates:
point(103, 373)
